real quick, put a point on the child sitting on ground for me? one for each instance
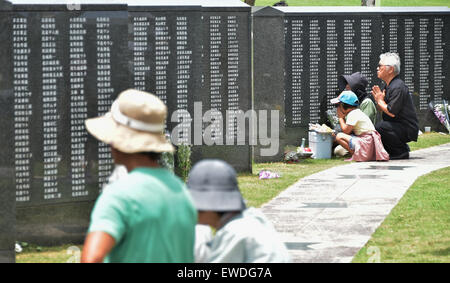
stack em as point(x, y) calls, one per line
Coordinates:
point(365, 142)
point(243, 235)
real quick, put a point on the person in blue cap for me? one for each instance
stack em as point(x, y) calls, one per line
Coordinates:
point(357, 83)
point(358, 135)
point(243, 235)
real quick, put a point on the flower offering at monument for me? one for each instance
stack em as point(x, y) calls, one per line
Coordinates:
point(441, 111)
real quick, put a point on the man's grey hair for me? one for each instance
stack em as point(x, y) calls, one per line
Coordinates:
point(391, 59)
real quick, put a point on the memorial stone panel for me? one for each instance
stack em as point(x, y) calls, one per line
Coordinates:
point(422, 41)
point(63, 63)
point(67, 69)
point(323, 43)
point(73, 59)
point(195, 52)
point(226, 83)
point(7, 163)
point(268, 70)
point(320, 47)
point(166, 59)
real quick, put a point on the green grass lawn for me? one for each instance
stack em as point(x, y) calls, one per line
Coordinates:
point(59, 254)
point(355, 2)
point(428, 140)
point(255, 191)
point(258, 192)
point(417, 229)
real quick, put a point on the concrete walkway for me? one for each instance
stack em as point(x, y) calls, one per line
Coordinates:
point(330, 216)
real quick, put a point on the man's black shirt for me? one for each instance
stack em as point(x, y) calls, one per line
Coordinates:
point(400, 104)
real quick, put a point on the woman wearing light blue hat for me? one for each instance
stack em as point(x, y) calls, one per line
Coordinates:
point(243, 235)
point(358, 135)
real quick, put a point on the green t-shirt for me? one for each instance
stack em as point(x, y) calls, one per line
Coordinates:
point(151, 216)
point(368, 107)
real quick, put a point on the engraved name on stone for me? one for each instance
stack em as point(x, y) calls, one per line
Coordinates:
point(438, 59)
point(331, 58)
point(105, 91)
point(297, 70)
point(52, 70)
point(233, 74)
point(424, 60)
point(349, 45)
point(314, 61)
point(216, 42)
point(23, 109)
point(78, 109)
point(141, 67)
point(408, 66)
point(184, 65)
point(366, 50)
point(162, 39)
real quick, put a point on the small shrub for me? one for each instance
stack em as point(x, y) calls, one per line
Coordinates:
point(184, 161)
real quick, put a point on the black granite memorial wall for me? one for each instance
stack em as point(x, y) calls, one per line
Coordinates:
point(269, 72)
point(196, 54)
point(72, 61)
point(422, 40)
point(226, 84)
point(323, 43)
point(64, 63)
point(166, 58)
point(7, 193)
point(67, 69)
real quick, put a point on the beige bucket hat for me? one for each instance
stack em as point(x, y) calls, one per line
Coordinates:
point(134, 124)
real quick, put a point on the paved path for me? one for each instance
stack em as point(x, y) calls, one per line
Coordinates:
point(330, 216)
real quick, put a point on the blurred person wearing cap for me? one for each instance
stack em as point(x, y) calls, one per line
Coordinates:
point(146, 215)
point(400, 124)
point(243, 235)
point(358, 134)
point(357, 83)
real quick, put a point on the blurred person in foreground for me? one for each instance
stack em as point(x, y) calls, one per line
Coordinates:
point(147, 215)
point(242, 235)
point(400, 124)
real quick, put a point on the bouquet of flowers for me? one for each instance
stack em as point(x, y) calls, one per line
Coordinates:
point(293, 154)
point(441, 111)
point(333, 118)
point(324, 129)
point(291, 157)
point(290, 154)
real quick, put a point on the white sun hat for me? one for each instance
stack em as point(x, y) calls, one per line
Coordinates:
point(134, 124)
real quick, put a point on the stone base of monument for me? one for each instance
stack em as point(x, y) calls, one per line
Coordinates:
point(239, 157)
point(289, 136)
point(54, 224)
point(427, 118)
point(7, 256)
